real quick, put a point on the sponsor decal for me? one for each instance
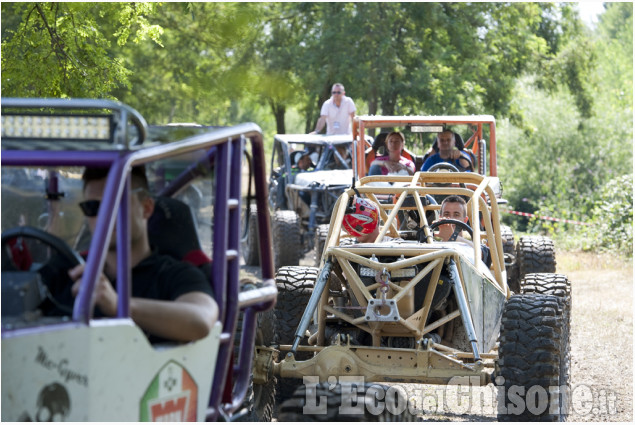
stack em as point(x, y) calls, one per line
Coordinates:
point(171, 396)
point(53, 405)
point(61, 366)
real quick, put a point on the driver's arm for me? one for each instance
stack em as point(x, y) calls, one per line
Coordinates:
point(188, 318)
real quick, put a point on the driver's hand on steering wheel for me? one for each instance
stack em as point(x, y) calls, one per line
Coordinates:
point(455, 154)
point(105, 295)
point(444, 232)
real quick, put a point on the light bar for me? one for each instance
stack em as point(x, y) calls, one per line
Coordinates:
point(75, 127)
point(426, 128)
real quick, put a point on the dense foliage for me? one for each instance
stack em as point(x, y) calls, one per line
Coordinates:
point(561, 92)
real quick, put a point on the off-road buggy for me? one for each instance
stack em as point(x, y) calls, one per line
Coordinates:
point(409, 309)
point(476, 136)
point(79, 368)
point(301, 201)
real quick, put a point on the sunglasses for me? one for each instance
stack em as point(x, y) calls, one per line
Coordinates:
point(91, 207)
point(336, 92)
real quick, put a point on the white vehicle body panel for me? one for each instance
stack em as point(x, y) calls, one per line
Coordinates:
point(108, 372)
point(330, 177)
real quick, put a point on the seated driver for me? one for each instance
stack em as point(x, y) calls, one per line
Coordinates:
point(448, 153)
point(171, 300)
point(455, 207)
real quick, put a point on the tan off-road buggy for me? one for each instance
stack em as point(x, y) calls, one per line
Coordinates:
point(409, 309)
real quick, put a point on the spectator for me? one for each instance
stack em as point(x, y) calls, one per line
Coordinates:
point(171, 300)
point(448, 153)
point(337, 113)
point(393, 162)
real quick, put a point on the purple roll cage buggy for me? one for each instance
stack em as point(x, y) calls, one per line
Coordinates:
point(105, 369)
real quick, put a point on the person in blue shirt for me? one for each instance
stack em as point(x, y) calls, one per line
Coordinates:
point(448, 153)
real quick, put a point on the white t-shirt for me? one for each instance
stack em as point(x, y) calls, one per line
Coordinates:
point(338, 119)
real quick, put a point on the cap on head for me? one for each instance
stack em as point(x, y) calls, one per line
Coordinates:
point(307, 153)
point(363, 220)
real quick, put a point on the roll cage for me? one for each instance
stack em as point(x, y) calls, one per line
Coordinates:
point(122, 144)
point(476, 188)
point(480, 126)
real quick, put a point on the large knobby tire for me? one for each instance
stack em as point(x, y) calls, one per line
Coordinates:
point(295, 286)
point(261, 398)
point(507, 236)
point(509, 252)
point(535, 254)
point(547, 284)
point(321, 232)
point(533, 364)
point(368, 402)
point(287, 240)
point(249, 243)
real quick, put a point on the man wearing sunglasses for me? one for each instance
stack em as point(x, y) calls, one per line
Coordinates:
point(171, 299)
point(337, 113)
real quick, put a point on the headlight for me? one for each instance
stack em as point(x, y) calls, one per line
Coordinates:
point(409, 272)
point(367, 272)
point(401, 273)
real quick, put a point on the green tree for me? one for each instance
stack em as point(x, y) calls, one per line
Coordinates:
point(405, 58)
point(203, 71)
point(65, 49)
point(565, 161)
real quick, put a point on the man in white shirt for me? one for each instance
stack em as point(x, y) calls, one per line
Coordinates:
point(337, 113)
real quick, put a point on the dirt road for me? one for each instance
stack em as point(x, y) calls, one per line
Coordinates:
point(601, 349)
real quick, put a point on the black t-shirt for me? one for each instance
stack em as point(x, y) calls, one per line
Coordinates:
point(158, 277)
point(161, 277)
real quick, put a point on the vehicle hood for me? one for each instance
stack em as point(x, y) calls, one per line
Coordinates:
point(328, 178)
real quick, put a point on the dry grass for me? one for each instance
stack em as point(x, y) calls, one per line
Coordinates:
point(569, 261)
point(601, 333)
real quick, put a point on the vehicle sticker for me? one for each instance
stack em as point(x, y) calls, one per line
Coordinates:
point(171, 396)
point(53, 405)
point(61, 366)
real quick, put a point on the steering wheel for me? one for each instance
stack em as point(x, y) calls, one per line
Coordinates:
point(458, 226)
point(443, 166)
point(68, 256)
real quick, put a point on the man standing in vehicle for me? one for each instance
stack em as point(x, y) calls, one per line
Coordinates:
point(337, 113)
point(171, 300)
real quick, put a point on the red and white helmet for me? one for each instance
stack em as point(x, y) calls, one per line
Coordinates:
point(363, 220)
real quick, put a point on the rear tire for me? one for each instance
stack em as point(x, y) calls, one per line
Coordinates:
point(354, 404)
point(249, 244)
point(295, 286)
point(535, 254)
point(321, 232)
point(287, 240)
point(534, 360)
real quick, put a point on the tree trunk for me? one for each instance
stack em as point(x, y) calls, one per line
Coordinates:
point(278, 112)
